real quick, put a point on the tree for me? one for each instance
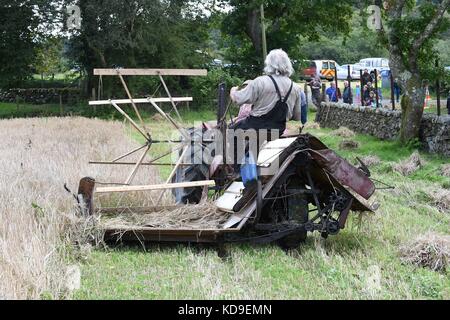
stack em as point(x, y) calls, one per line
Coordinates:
point(49, 57)
point(25, 23)
point(410, 33)
point(141, 33)
point(17, 32)
point(287, 22)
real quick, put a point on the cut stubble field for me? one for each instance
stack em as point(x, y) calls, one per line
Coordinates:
point(37, 219)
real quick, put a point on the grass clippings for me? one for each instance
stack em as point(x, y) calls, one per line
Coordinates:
point(410, 165)
point(445, 169)
point(348, 145)
point(344, 132)
point(430, 250)
point(371, 160)
point(197, 217)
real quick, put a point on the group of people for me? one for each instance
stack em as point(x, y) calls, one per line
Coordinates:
point(365, 96)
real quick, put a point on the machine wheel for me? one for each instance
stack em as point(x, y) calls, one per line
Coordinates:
point(192, 173)
point(197, 171)
point(298, 213)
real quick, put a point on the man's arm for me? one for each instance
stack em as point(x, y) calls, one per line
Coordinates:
point(247, 95)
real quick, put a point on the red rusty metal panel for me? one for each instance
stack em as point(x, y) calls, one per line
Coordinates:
point(345, 173)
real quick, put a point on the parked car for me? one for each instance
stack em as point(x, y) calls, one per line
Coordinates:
point(326, 69)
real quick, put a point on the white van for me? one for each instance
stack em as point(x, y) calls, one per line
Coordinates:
point(380, 64)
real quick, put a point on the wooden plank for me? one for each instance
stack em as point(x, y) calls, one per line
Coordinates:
point(139, 101)
point(194, 184)
point(133, 104)
point(151, 72)
point(134, 124)
point(136, 167)
point(174, 106)
point(134, 163)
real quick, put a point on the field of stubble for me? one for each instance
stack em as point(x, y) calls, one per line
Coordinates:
point(37, 215)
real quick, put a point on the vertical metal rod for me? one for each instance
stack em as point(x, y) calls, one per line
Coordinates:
point(392, 91)
point(221, 116)
point(377, 96)
point(349, 79)
point(438, 91)
point(337, 82)
point(362, 87)
point(170, 96)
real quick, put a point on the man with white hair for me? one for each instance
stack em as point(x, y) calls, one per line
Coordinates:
point(274, 96)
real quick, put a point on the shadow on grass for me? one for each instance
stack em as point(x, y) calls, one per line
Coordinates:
point(345, 244)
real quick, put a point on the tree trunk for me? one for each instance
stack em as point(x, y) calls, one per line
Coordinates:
point(254, 30)
point(412, 110)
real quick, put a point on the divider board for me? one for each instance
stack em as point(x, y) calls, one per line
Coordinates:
point(210, 183)
point(152, 72)
point(139, 101)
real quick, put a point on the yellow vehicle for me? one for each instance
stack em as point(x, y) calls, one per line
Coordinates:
point(326, 69)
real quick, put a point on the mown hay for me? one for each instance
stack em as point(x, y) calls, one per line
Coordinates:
point(430, 250)
point(441, 199)
point(343, 132)
point(348, 145)
point(445, 169)
point(411, 165)
point(371, 160)
point(197, 217)
point(157, 117)
point(312, 126)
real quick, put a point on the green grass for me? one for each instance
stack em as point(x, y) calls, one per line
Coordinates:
point(338, 268)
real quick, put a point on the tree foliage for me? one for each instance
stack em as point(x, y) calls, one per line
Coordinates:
point(49, 57)
point(141, 33)
point(287, 24)
point(410, 34)
point(17, 33)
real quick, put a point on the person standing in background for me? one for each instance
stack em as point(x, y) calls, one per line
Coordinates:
point(316, 86)
point(397, 90)
point(366, 96)
point(348, 95)
point(380, 91)
point(358, 95)
point(366, 77)
point(332, 93)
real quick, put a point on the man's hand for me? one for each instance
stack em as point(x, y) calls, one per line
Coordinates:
point(232, 91)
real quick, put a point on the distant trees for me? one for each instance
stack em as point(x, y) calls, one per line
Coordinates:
point(25, 26)
point(287, 23)
point(141, 33)
point(49, 57)
point(17, 46)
